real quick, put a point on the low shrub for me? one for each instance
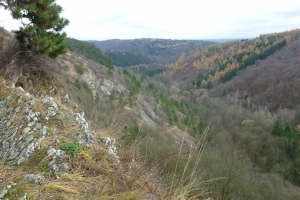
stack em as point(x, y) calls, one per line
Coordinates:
point(72, 148)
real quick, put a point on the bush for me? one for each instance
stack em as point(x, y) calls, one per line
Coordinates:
point(72, 148)
point(80, 69)
point(77, 84)
point(131, 134)
point(112, 97)
point(88, 89)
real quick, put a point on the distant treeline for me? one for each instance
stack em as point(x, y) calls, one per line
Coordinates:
point(126, 59)
point(153, 72)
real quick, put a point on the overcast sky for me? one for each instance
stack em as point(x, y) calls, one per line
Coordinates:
point(173, 19)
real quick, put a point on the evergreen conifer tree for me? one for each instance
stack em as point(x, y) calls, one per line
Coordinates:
point(43, 33)
point(277, 129)
point(288, 130)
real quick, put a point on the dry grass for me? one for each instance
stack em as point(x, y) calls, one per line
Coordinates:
point(9, 173)
point(62, 188)
point(190, 184)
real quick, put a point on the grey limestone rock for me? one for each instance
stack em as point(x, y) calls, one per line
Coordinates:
point(52, 106)
point(111, 147)
point(66, 98)
point(20, 89)
point(85, 136)
point(103, 85)
point(5, 190)
point(24, 197)
point(110, 143)
point(35, 178)
point(18, 139)
point(58, 163)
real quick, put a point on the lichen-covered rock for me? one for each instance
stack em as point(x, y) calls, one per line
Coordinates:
point(84, 136)
point(107, 87)
point(35, 178)
point(145, 113)
point(20, 89)
point(24, 197)
point(111, 147)
point(18, 139)
point(66, 98)
point(110, 143)
point(5, 190)
point(58, 163)
point(103, 85)
point(52, 106)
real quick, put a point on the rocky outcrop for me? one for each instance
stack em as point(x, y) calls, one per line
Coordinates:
point(35, 178)
point(5, 190)
point(23, 125)
point(20, 132)
point(145, 112)
point(111, 147)
point(58, 163)
point(103, 85)
point(84, 136)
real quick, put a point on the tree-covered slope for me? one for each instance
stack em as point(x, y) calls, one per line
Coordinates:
point(88, 50)
point(274, 81)
point(125, 59)
point(221, 62)
point(147, 51)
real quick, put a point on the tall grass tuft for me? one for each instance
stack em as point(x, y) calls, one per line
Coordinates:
point(189, 183)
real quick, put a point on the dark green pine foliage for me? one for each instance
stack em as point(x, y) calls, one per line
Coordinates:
point(90, 51)
point(287, 131)
point(277, 129)
point(43, 32)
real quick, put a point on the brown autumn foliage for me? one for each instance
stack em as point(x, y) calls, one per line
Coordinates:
point(273, 82)
point(220, 59)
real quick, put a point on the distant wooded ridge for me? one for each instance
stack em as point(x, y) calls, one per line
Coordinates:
point(125, 53)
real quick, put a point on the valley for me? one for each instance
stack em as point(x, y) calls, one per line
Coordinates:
point(214, 121)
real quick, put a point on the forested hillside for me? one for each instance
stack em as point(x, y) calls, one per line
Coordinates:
point(125, 53)
point(273, 82)
point(221, 62)
point(88, 50)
